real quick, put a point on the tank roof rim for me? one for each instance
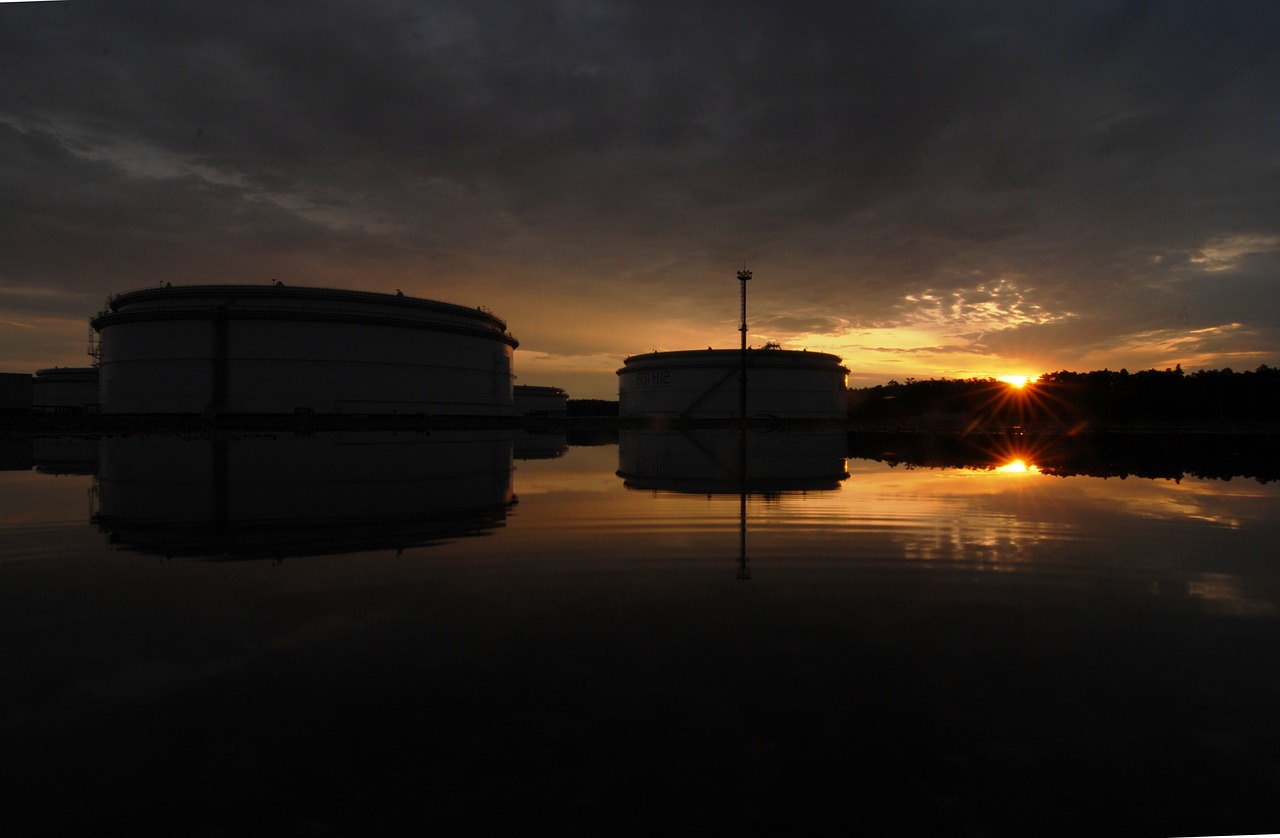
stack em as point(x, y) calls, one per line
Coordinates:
point(312, 291)
point(732, 353)
point(66, 371)
point(129, 315)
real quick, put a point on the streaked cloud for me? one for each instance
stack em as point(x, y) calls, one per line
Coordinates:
point(1223, 253)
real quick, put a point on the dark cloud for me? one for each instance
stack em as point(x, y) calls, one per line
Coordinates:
point(864, 157)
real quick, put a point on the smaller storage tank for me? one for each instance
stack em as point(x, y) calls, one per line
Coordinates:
point(532, 400)
point(15, 391)
point(704, 384)
point(65, 390)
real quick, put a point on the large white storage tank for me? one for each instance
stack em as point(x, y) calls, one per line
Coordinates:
point(272, 349)
point(704, 384)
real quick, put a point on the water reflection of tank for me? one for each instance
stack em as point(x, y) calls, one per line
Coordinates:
point(540, 445)
point(259, 496)
point(66, 454)
point(709, 461)
point(248, 349)
point(704, 384)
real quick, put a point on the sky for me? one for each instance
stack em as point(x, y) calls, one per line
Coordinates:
point(926, 189)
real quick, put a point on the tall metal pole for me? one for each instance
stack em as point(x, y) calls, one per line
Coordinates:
point(743, 276)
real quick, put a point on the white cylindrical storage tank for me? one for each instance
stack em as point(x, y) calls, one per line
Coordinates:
point(65, 390)
point(248, 349)
point(703, 384)
point(533, 400)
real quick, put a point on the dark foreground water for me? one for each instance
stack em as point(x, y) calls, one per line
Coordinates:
point(386, 634)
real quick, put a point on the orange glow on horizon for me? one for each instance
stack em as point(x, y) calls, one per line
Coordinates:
point(1017, 466)
point(1017, 381)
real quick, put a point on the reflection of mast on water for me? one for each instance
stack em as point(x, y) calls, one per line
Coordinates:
point(744, 574)
point(731, 461)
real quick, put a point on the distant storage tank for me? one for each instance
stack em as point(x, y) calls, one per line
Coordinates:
point(257, 349)
point(15, 391)
point(65, 390)
point(703, 384)
point(532, 400)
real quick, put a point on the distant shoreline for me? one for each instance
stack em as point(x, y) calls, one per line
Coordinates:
point(20, 424)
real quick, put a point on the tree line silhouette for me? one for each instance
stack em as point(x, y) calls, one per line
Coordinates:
point(1159, 397)
point(592, 407)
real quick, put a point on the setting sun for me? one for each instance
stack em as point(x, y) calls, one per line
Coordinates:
point(1018, 381)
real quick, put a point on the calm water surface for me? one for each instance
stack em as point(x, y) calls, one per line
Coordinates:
point(316, 635)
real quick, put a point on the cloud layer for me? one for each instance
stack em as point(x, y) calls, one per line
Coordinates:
point(926, 188)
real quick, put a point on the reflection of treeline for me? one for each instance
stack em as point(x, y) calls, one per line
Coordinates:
point(592, 407)
point(1102, 396)
point(1217, 456)
point(591, 437)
